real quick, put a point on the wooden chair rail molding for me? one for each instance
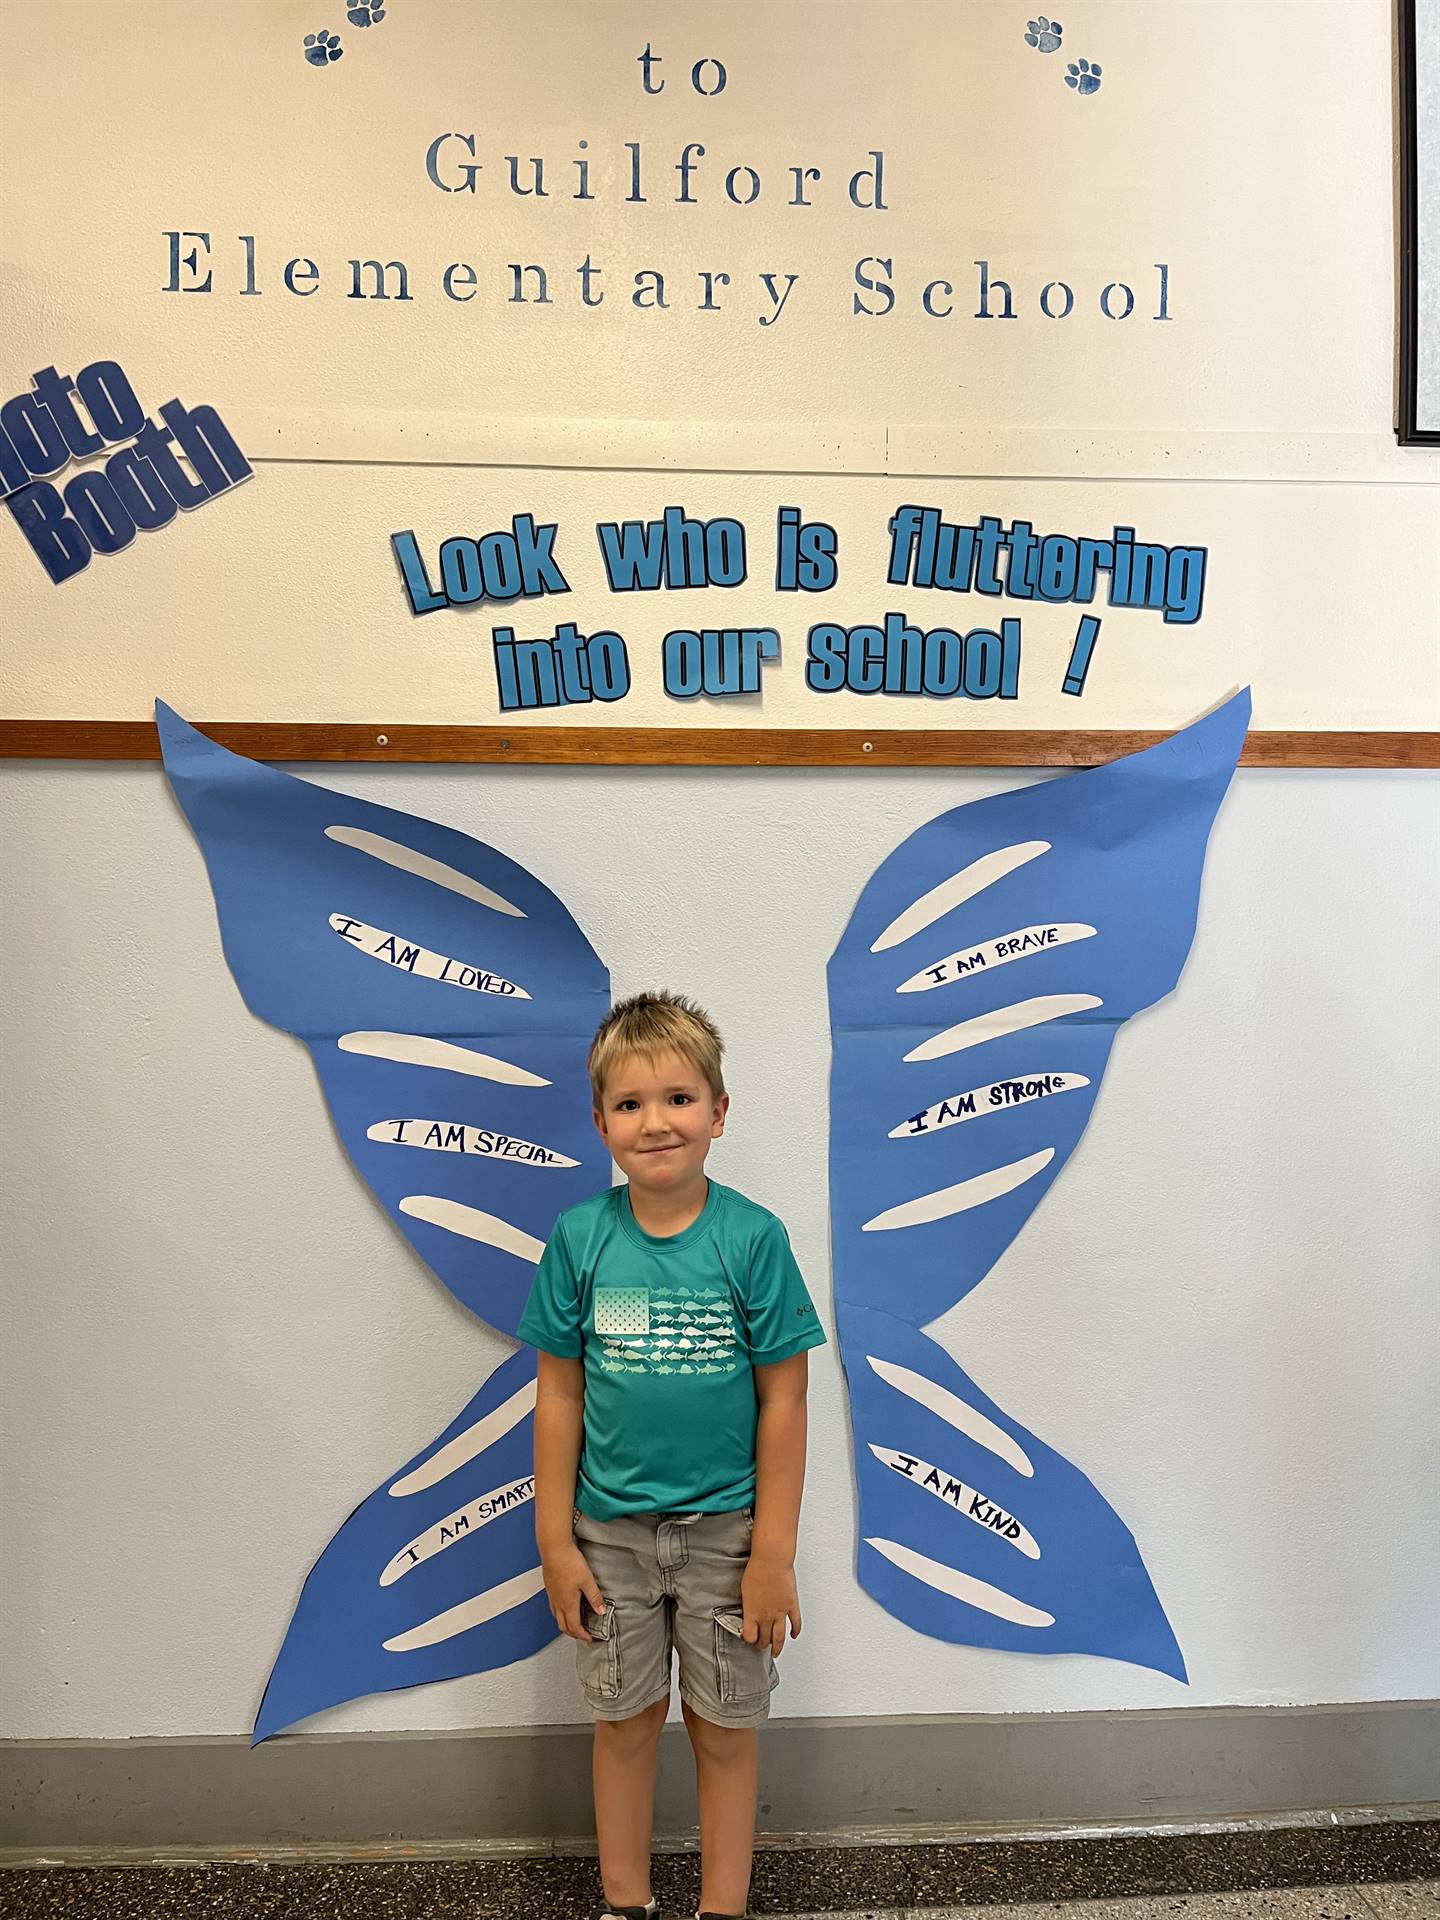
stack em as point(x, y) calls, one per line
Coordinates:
point(580, 746)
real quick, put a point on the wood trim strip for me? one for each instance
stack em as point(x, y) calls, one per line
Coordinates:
point(689, 746)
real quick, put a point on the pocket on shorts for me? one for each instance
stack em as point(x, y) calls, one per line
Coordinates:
point(597, 1659)
point(744, 1674)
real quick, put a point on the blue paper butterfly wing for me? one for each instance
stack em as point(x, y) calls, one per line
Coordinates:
point(447, 998)
point(975, 995)
point(962, 1526)
point(435, 1576)
point(391, 1045)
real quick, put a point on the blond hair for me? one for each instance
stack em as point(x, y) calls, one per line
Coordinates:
point(650, 1024)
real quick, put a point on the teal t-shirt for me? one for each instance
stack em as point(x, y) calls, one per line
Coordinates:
point(670, 1331)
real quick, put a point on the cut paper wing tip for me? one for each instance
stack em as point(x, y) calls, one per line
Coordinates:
point(956, 1412)
point(408, 860)
point(468, 1443)
point(953, 892)
point(978, 1191)
point(472, 1223)
point(469, 1614)
point(958, 1585)
point(428, 1050)
point(1003, 1021)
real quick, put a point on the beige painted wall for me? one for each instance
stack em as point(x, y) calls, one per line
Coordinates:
point(1247, 147)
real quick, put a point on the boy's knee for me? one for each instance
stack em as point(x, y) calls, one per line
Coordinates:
point(638, 1730)
point(712, 1741)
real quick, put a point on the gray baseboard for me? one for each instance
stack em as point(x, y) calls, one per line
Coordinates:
point(529, 1788)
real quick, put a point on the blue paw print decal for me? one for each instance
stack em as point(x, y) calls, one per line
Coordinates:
point(1044, 34)
point(322, 47)
point(1083, 77)
point(365, 13)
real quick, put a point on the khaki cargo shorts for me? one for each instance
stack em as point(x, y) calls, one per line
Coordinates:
point(671, 1583)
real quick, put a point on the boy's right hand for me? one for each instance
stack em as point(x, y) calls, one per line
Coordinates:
point(568, 1582)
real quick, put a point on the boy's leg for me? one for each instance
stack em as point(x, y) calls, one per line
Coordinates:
point(625, 1671)
point(624, 1775)
point(725, 1686)
point(726, 1780)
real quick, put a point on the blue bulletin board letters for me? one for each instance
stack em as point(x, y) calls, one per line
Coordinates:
point(140, 487)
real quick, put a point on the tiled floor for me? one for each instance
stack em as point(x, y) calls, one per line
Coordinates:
point(1410, 1900)
point(178, 1894)
point(1372, 1871)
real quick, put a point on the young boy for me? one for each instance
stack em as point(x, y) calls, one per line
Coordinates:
point(672, 1324)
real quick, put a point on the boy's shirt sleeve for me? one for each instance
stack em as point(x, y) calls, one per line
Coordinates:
point(781, 1319)
point(551, 1320)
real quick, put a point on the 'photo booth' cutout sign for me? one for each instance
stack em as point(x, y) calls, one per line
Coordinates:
point(436, 1574)
point(181, 461)
point(972, 1529)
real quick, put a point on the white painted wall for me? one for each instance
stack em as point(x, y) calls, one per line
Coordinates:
point(1226, 1312)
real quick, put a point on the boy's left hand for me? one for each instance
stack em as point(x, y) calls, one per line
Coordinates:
point(769, 1598)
